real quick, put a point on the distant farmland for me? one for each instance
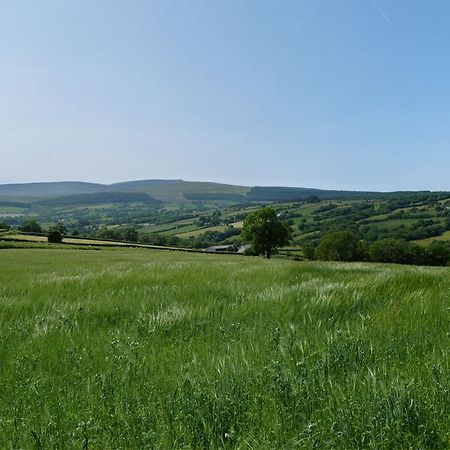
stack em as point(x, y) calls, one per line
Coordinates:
point(197, 214)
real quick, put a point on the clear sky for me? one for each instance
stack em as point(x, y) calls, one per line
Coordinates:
point(328, 94)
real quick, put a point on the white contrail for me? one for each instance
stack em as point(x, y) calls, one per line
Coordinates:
point(385, 16)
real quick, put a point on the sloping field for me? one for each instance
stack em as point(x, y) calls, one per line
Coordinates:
point(33, 190)
point(220, 228)
point(443, 237)
point(36, 238)
point(152, 349)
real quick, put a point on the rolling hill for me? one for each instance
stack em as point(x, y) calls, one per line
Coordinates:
point(179, 191)
point(99, 198)
point(162, 190)
point(50, 189)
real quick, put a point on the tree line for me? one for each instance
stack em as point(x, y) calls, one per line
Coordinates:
point(348, 246)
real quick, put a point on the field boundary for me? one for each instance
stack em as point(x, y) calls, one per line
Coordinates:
point(113, 244)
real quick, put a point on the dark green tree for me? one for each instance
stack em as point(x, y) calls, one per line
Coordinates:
point(108, 233)
point(54, 235)
point(130, 234)
point(397, 251)
point(265, 231)
point(30, 226)
point(309, 251)
point(438, 253)
point(312, 199)
point(341, 246)
point(60, 227)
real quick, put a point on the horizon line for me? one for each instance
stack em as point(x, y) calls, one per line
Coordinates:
point(222, 183)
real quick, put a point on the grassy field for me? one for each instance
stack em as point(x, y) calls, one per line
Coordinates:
point(152, 349)
point(11, 240)
point(9, 210)
point(38, 238)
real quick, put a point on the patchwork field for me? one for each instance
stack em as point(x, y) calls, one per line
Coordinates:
point(134, 348)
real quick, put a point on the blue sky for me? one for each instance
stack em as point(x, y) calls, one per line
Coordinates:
point(345, 95)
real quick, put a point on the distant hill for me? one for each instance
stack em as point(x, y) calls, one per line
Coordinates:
point(50, 189)
point(209, 196)
point(14, 204)
point(141, 184)
point(162, 190)
point(274, 194)
point(286, 194)
point(98, 198)
point(173, 191)
point(179, 190)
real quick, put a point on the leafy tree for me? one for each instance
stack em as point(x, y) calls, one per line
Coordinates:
point(108, 233)
point(265, 231)
point(341, 246)
point(130, 234)
point(309, 251)
point(4, 226)
point(30, 226)
point(210, 220)
point(398, 251)
point(155, 239)
point(54, 235)
point(438, 253)
point(447, 223)
point(60, 227)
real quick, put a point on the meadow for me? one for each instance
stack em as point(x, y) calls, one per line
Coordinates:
point(138, 348)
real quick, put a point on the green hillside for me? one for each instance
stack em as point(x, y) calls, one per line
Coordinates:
point(154, 349)
point(174, 190)
point(181, 191)
point(164, 190)
point(273, 193)
point(98, 198)
point(50, 189)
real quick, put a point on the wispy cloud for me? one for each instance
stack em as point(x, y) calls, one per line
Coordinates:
point(380, 10)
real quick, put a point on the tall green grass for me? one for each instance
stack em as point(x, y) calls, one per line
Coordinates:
point(151, 349)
